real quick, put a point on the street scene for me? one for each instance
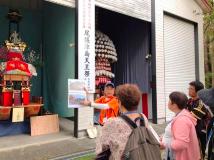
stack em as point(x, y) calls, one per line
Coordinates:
point(106, 80)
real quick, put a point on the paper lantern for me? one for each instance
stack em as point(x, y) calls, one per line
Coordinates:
point(26, 96)
point(7, 97)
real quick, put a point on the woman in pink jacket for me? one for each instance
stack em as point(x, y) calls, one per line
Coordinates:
point(183, 141)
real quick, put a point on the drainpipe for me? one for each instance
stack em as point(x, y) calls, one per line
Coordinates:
point(154, 84)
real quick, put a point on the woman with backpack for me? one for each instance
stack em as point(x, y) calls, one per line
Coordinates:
point(116, 132)
point(180, 139)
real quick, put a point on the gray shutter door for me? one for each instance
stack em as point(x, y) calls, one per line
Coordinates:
point(68, 3)
point(179, 52)
point(140, 9)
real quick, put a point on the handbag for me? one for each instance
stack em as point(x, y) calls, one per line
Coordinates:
point(104, 155)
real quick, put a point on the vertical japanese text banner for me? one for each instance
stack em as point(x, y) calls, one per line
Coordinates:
point(86, 43)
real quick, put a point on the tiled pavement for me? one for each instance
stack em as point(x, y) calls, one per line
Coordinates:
point(53, 146)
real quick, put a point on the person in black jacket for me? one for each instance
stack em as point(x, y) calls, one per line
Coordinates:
point(199, 111)
point(207, 97)
point(193, 101)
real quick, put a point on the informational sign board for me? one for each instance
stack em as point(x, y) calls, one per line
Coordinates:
point(85, 51)
point(86, 43)
point(18, 114)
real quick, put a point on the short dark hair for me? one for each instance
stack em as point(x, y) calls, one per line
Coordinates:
point(197, 84)
point(178, 98)
point(129, 95)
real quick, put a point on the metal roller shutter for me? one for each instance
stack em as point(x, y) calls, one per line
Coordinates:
point(140, 9)
point(179, 52)
point(68, 3)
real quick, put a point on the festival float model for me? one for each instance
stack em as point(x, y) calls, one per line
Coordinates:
point(105, 56)
point(15, 78)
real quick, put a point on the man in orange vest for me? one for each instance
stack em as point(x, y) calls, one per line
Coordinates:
point(108, 104)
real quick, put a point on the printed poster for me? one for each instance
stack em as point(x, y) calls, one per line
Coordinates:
point(76, 93)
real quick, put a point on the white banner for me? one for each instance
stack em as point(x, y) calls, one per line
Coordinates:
point(86, 43)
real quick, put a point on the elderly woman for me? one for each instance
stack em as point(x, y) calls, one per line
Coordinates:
point(116, 131)
point(180, 139)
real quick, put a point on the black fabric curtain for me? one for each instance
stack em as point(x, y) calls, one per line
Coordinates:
point(132, 41)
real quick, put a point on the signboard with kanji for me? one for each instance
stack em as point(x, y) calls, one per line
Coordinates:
point(86, 43)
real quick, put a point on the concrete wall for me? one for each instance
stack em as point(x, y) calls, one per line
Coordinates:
point(187, 9)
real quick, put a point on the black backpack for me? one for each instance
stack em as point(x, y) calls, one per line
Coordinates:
point(141, 145)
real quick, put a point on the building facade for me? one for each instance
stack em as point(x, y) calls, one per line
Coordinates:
point(176, 47)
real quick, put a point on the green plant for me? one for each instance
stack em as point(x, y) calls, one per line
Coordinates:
point(208, 79)
point(209, 46)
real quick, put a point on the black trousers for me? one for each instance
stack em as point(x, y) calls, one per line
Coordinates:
point(202, 141)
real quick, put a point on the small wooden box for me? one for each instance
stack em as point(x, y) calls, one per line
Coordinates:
point(46, 124)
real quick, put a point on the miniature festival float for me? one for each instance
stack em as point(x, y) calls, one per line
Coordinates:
point(15, 78)
point(18, 113)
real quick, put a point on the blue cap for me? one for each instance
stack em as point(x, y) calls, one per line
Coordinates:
point(109, 84)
